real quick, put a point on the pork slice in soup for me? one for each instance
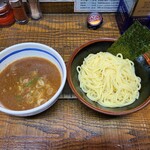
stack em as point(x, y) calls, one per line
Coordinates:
point(28, 83)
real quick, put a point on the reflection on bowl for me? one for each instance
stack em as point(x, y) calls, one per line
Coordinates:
point(96, 46)
point(44, 54)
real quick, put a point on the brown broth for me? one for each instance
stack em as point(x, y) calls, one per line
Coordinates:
point(28, 83)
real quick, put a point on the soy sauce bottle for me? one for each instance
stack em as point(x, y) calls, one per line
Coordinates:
point(19, 11)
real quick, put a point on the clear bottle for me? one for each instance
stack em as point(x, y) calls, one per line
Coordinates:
point(19, 11)
point(35, 11)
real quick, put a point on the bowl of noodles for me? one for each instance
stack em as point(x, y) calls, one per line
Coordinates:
point(107, 83)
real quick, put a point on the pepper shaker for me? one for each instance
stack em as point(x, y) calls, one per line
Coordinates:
point(19, 11)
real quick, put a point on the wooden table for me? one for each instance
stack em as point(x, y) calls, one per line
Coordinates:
point(69, 124)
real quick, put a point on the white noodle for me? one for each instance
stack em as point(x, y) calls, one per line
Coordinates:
point(109, 80)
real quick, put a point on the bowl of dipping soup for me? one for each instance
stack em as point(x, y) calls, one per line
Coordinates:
point(32, 76)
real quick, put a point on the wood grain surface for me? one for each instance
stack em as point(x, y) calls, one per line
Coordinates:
point(68, 124)
point(63, 32)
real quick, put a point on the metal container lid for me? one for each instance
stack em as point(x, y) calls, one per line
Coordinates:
point(15, 3)
point(3, 6)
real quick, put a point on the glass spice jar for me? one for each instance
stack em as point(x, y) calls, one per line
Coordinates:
point(6, 14)
point(19, 11)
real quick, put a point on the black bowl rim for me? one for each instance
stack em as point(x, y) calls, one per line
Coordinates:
point(147, 101)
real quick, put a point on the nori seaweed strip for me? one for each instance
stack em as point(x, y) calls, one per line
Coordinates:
point(134, 42)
